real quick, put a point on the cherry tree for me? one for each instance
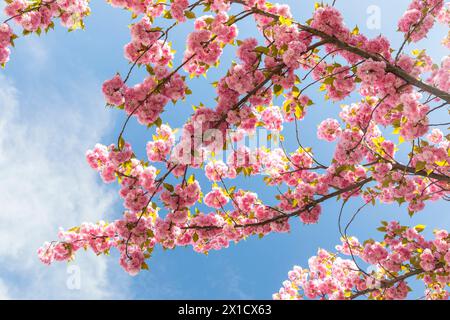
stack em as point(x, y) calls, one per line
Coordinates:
point(393, 91)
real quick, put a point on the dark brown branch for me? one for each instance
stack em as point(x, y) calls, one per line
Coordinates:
point(422, 173)
point(364, 54)
point(309, 206)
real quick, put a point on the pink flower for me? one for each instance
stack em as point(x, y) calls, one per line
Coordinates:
point(427, 261)
point(5, 35)
point(160, 147)
point(293, 55)
point(215, 171)
point(409, 18)
point(177, 8)
point(240, 79)
point(179, 216)
point(119, 156)
point(311, 216)
point(206, 51)
point(136, 200)
point(98, 156)
point(435, 136)
point(415, 24)
point(371, 72)
point(143, 33)
point(15, 7)
point(246, 51)
point(132, 263)
point(447, 257)
point(112, 89)
point(4, 55)
point(272, 118)
point(349, 149)
point(374, 253)
point(108, 173)
point(225, 33)
point(45, 253)
point(329, 20)
point(147, 178)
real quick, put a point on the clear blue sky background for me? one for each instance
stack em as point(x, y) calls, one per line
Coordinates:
point(56, 80)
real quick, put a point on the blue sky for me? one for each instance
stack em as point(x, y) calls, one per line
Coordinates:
point(52, 111)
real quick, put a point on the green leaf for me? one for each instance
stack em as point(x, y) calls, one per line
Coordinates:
point(420, 165)
point(329, 81)
point(231, 20)
point(262, 49)
point(167, 15)
point(121, 143)
point(277, 89)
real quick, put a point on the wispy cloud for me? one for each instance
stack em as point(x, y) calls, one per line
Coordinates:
point(3, 291)
point(231, 283)
point(45, 183)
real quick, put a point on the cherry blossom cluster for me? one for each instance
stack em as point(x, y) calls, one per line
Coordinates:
point(444, 18)
point(329, 130)
point(141, 228)
point(404, 254)
point(146, 46)
point(420, 17)
point(364, 140)
point(204, 45)
point(37, 16)
point(6, 40)
point(204, 231)
point(164, 203)
point(146, 100)
point(440, 76)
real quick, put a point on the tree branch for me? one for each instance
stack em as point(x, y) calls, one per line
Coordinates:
point(360, 52)
point(422, 173)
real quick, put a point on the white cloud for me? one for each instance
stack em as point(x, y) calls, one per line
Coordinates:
point(36, 52)
point(231, 283)
point(3, 291)
point(45, 183)
point(32, 46)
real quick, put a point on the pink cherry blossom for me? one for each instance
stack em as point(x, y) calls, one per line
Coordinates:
point(329, 130)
